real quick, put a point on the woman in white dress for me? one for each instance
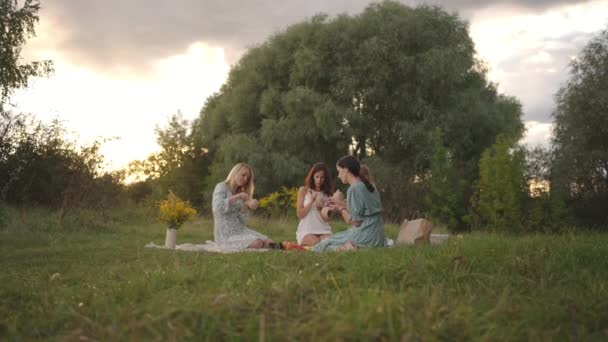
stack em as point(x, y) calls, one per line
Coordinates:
point(232, 204)
point(311, 198)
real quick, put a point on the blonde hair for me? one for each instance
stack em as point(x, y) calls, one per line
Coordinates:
point(231, 179)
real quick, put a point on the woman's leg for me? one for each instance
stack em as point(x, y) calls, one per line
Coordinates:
point(348, 246)
point(257, 244)
point(310, 240)
point(324, 236)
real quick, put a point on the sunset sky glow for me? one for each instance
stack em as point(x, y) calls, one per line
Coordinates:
point(122, 68)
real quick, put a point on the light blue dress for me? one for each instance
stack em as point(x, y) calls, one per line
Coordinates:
point(229, 222)
point(362, 206)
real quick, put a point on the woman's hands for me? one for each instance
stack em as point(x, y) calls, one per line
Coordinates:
point(336, 202)
point(337, 199)
point(318, 199)
point(241, 195)
point(337, 207)
point(253, 204)
point(248, 203)
point(340, 208)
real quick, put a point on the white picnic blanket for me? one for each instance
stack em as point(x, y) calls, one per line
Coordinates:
point(437, 239)
point(208, 246)
point(211, 246)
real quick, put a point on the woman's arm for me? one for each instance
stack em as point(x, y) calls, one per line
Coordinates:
point(244, 214)
point(351, 211)
point(301, 209)
point(241, 195)
point(220, 202)
point(246, 208)
point(346, 217)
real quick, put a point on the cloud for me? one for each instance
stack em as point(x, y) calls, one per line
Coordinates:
point(110, 33)
point(529, 53)
point(95, 105)
point(536, 73)
point(123, 66)
point(537, 134)
point(113, 35)
point(541, 57)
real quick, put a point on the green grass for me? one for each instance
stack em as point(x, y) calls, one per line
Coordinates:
point(103, 284)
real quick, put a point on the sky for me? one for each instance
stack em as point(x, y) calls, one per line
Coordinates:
point(123, 68)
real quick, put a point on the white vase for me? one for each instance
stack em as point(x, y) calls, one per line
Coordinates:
point(170, 238)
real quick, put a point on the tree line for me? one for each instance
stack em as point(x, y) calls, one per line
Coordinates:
point(399, 87)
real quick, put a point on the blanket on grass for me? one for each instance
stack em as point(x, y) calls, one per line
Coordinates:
point(211, 246)
point(208, 246)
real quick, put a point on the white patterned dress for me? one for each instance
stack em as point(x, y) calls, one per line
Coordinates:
point(229, 229)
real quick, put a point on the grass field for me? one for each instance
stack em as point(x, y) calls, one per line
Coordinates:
point(102, 284)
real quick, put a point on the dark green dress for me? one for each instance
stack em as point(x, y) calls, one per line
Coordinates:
point(364, 206)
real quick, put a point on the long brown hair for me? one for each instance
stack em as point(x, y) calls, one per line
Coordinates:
point(327, 187)
point(366, 173)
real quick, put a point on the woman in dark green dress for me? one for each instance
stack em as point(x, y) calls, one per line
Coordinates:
point(363, 212)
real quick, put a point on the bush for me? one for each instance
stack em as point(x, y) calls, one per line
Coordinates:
point(280, 203)
point(41, 219)
point(498, 203)
point(3, 216)
point(402, 190)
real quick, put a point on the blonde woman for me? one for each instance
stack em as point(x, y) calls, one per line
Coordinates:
point(232, 205)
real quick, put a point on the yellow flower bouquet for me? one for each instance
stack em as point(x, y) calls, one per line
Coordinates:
point(175, 212)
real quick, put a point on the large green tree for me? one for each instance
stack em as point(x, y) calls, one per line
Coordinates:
point(39, 166)
point(179, 166)
point(498, 203)
point(16, 26)
point(374, 84)
point(580, 170)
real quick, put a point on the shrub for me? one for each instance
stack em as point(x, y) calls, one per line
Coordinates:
point(280, 203)
point(498, 203)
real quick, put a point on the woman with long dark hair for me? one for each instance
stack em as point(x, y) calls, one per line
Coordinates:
point(311, 198)
point(362, 211)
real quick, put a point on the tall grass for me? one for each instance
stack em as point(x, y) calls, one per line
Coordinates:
point(103, 284)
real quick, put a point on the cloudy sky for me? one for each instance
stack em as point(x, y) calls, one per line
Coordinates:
point(124, 66)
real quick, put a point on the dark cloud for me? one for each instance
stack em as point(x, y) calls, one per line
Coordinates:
point(535, 83)
point(118, 32)
point(112, 35)
point(131, 33)
point(535, 89)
